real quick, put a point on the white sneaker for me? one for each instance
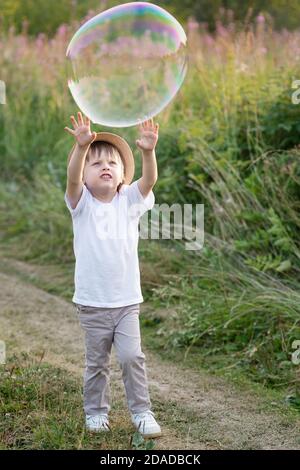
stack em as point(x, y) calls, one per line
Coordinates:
point(145, 424)
point(96, 423)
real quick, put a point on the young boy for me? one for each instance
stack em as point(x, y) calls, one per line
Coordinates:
point(105, 209)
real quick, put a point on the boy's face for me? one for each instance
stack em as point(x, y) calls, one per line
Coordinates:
point(103, 172)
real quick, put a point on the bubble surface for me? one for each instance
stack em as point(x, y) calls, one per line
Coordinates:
point(126, 64)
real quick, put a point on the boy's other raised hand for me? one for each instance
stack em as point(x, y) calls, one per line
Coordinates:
point(148, 135)
point(82, 130)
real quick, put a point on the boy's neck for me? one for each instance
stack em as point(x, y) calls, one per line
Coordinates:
point(104, 197)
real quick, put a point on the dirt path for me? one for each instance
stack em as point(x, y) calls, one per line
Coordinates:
point(33, 320)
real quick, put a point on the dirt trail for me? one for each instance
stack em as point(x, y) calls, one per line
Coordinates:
point(33, 320)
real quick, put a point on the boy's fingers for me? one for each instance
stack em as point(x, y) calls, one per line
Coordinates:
point(69, 130)
point(80, 118)
point(74, 122)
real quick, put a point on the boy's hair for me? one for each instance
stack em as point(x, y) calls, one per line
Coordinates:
point(99, 146)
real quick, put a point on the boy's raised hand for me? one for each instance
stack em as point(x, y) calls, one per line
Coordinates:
point(148, 135)
point(82, 132)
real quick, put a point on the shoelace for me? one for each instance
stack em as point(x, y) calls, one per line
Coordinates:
point(103, 419)
point(145, 417)
point(144, 414)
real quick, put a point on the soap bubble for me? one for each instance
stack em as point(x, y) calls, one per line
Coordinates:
point(126, 64)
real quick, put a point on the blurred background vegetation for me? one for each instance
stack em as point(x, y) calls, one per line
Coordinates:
point(230, 140)
point(46, 16)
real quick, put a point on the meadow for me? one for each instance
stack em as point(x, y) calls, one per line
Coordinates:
point(229, 140)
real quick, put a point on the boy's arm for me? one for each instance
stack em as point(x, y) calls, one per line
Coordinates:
point(74, 174)
point(149, 173)
point(83, 137)
point(146, 143)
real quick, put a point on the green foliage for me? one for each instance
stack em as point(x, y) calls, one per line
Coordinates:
point(39, 224)
point(139, 443)
point(36, 16)
point(294, 400)
point(279, 122)
point(283, 13)
point(251, 329)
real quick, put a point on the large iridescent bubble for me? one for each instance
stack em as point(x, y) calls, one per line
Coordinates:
point(127, 63)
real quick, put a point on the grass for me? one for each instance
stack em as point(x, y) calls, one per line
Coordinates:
point(41, 408)
point(284, 399)
point(252, 330)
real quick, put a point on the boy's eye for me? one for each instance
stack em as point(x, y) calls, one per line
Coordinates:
point(97, 163)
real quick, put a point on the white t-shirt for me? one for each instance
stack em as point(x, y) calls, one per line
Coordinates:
point(105, 245)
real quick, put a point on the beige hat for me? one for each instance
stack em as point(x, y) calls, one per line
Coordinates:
point(124, 150)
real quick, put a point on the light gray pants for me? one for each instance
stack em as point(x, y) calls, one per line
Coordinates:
point(121, 326)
